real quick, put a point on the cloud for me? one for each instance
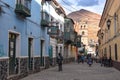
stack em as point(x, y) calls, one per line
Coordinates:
point(91, 5)
point(87, 2)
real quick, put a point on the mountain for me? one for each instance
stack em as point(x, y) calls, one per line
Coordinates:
point(90, 17)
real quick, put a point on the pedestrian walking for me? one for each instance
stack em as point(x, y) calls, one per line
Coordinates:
point(59, 61)
point(82, 58)
point(89, 60)
point(110, 61)
point(79, 58)
point(102, 61)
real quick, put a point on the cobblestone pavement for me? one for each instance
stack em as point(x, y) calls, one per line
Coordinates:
point(74, 71)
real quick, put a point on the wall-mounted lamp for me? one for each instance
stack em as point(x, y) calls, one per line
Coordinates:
point(108, 23)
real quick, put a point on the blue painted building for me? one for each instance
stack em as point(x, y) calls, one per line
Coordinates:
point(23, 41)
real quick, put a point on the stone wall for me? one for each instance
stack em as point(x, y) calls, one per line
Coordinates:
point(36, 64)
point(23, 70)
point(3, 69)
point(116, 64)
point(47, 62)
point(23, 66)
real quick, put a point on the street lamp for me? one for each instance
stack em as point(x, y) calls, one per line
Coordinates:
point(108, 23)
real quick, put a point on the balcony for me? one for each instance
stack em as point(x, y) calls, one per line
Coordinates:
point(44, 23)
point(22, 10)
point(67, 38)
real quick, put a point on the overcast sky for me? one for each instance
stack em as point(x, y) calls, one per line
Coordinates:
point(96, 6)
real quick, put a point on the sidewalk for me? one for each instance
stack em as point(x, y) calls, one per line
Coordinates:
point(74, 71)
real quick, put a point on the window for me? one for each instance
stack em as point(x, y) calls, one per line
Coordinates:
point(23, 8)
point(26, 3)
point(45, 16)
point(105, 52)
point(116, 52)
point(110, 51)
point(84, 26)
point(115, 23)
point(83, 32)
point(81, 26)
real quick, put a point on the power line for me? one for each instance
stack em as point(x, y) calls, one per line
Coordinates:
point(69, 5)
point(70, 10)
point(75, 10)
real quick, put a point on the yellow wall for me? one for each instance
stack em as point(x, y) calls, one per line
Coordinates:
point(110, 36)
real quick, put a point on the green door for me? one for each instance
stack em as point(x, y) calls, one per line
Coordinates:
point(12, 51)
point(30, 59)
point(41, 53)
point(50, 51)
point(50, 54)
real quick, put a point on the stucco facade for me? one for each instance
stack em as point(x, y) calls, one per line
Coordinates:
point(24, 43)
point(109, 35)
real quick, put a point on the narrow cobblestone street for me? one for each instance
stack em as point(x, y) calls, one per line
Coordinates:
point(74, 71)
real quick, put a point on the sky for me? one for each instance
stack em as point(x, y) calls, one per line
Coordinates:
point(69, 6)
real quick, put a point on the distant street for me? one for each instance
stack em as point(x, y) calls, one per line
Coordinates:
point(74, 71)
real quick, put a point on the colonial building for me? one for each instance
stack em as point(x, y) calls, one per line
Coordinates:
point(69, 40)
point(109, 35)
point(31, 34)
point(55, 17)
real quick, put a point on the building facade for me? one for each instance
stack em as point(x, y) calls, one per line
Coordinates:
point(56, 16)
point(70, 35)
point(31, 34)
point(24, 43)
point(109, 34)
point(88, 33)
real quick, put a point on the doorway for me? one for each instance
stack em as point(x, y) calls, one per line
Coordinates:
point(30, 56)
point(116, 55)
point(41, 53)
point(12, 54)
point(51, 55)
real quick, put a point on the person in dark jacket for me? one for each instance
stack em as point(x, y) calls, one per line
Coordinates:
point(59, 61)
point(110, 62)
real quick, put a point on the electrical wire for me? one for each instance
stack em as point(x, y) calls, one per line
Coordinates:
point(69, 5)
point(69, 9)
point(75, 10)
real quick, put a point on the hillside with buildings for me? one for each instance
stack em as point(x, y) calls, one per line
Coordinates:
point(85, 15)
point(86, 25)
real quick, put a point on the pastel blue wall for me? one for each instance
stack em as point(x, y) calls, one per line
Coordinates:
point(29, 27)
